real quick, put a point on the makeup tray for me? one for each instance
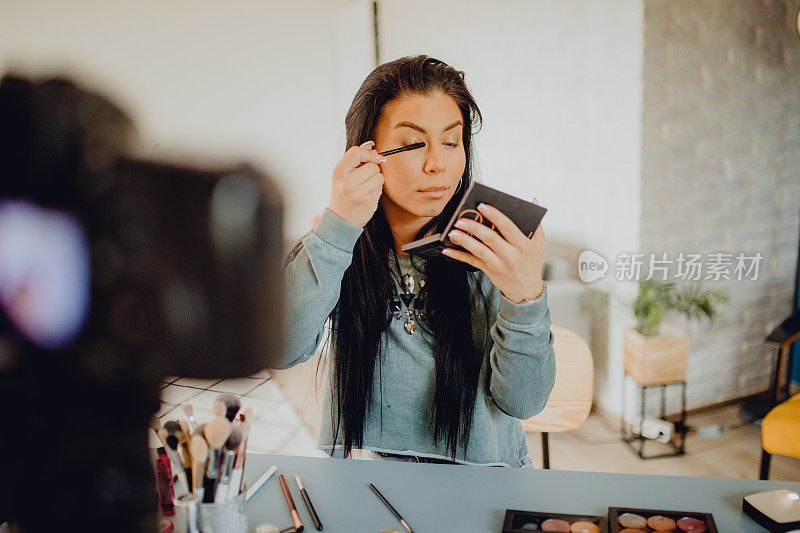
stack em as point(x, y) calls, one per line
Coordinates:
point(516, 520)
point(615, 512)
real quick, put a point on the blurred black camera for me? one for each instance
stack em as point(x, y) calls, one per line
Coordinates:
point(115, 272)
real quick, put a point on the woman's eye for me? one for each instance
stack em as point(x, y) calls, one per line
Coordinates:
point(451, 145)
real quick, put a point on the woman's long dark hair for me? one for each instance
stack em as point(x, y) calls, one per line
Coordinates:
point(361, 316)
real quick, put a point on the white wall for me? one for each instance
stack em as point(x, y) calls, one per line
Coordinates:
point(559, 86)
point(262, 80)
point(558, 82)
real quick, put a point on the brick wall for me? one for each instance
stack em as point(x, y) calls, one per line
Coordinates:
point(721, 168)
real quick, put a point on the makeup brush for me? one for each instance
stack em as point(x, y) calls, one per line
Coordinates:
point(199, 430)
point(199, 448)
point(174, 434)
point(216, 432)
point(189, 410)
point(162, 435)
point(238, 466)
point(219, 408)
point(184, 425)
point(183, 442)
point(176, 465)
point(226, 467)
point(232, 405)
point(247, 418)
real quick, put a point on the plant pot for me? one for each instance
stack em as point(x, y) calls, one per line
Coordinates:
point(656, 359)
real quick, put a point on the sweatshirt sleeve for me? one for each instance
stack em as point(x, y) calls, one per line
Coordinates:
point(521, 357)
point(313, 284)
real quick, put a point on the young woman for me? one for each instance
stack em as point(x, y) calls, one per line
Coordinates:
point(430, 361)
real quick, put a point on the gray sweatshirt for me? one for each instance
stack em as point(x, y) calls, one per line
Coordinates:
point(516, 377)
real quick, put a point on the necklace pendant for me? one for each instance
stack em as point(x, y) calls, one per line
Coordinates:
point(408, 283)
point(409, 325)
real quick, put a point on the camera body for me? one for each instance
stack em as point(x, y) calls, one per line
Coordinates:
point(162, 268)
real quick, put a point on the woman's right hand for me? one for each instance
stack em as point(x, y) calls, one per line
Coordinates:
point(357, 184)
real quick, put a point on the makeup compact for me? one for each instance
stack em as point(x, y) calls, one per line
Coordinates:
point(524, 214)
point(524, 521)
point(776, 510)
point(624, 520)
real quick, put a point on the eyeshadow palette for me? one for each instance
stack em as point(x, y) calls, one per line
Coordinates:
point(622, 520)
point(524, 521)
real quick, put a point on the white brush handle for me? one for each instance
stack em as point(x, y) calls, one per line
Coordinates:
point(236, 481)
point(221, 493)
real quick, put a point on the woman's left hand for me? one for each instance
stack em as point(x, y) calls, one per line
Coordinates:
point(512, 261)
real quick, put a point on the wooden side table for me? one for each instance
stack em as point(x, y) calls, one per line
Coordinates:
point(656, 361)
point(629, 436)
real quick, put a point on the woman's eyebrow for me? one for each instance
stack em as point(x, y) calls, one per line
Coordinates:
point(406, 124)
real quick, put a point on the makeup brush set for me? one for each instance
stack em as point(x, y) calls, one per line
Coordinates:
point(208, 458)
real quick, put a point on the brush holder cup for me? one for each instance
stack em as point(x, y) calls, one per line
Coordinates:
point(225, 517)
point(187, 508)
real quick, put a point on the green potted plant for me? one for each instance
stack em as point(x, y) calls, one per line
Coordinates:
point(655, 351)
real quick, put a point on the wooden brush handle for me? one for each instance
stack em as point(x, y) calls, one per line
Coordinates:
point(197, 474)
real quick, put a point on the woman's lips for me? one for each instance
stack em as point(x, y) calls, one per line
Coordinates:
point(433, 192)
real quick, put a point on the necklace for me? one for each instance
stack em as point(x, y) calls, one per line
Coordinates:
point(405, 301)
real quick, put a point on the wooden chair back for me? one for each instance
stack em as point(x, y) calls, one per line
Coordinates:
point(571, 398)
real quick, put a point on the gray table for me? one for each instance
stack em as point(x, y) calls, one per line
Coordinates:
point(446, 498)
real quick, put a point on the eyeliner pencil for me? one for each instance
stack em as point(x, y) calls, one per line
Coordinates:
point(296, 517)
point(307, 500)
point(402, 149)
point(389, 505)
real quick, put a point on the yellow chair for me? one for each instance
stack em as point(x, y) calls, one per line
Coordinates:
point(571, 399)
point(780, 428)
point(780, 433)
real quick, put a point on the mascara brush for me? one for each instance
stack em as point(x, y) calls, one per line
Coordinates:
point(402, 149)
